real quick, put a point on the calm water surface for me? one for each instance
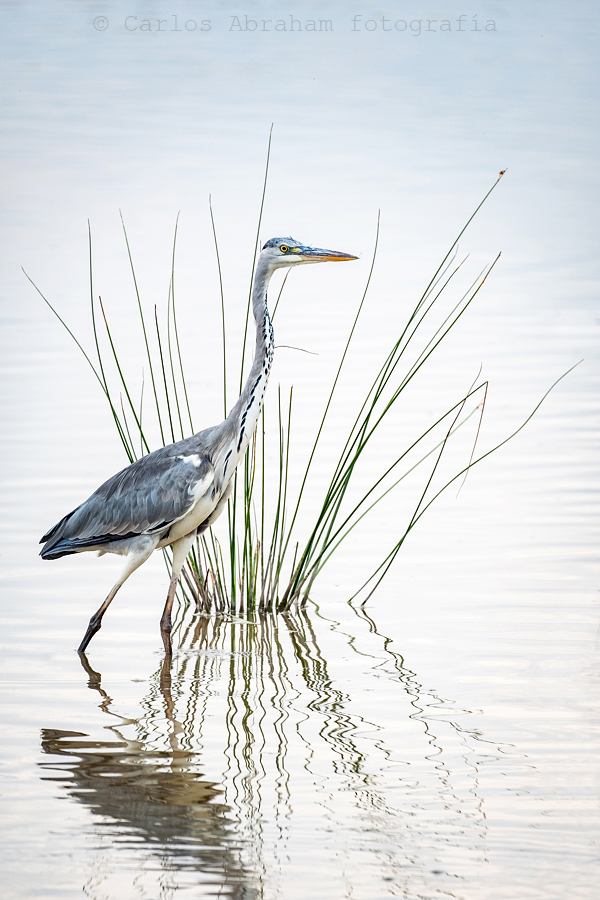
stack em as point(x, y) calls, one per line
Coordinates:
point(444, 741)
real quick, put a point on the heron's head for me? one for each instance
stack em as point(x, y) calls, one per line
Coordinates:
point(285, 251)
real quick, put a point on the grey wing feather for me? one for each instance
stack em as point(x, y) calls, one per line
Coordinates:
point(145, 498)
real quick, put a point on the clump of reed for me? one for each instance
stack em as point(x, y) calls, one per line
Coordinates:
point(266, 561)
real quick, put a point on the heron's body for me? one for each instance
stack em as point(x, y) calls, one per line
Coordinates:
point(176, 492)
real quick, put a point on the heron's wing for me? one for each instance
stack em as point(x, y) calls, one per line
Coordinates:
point(145, 498)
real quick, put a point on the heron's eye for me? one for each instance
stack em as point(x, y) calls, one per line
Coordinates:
point(284, 248)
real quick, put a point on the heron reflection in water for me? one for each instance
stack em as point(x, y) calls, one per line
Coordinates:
point(287, 742)
point(175, 493)
point(154, 798)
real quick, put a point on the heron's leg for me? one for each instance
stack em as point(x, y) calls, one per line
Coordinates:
point(96, 620)
point(137, 555)
point(181, 548)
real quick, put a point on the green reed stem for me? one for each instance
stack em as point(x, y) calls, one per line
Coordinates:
point(144, 332)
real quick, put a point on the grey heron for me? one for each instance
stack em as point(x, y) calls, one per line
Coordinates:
point(175, 493)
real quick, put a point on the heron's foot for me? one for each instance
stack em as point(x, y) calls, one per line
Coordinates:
point(94, 626)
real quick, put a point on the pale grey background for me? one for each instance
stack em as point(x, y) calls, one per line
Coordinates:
point(494, 602)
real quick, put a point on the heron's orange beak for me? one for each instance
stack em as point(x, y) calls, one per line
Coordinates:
point(316, 254)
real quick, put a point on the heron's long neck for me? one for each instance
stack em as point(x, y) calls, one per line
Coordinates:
point(244, 415)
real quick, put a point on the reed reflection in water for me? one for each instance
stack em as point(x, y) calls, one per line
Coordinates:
point(295, 753)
